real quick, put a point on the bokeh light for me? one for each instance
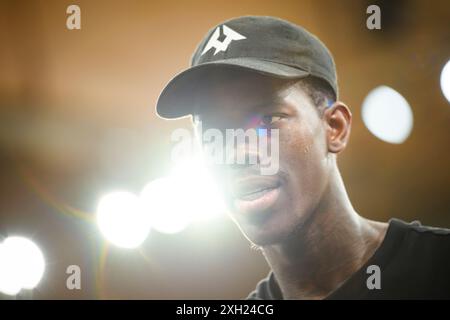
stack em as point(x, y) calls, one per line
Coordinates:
point(387, 115)
point(165, 203)
point(206, 201)
point(22, 265)
point(187, 195)
point(121, 220)
point(445, 81)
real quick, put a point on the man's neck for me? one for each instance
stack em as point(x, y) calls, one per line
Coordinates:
point(326, 250)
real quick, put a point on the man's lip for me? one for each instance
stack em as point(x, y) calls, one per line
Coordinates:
point(245, 187)
point(257, 206)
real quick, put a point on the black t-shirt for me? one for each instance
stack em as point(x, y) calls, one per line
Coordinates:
point(413, 261)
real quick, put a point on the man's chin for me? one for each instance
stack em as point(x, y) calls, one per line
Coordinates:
point(274, 231)
point(264, 241)
point(261, 236)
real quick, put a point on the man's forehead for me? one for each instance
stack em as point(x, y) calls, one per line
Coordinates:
point(239, 94)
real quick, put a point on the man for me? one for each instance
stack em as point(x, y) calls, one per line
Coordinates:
point(263, 72)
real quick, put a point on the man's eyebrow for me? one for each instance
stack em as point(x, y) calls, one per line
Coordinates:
point(267, 104)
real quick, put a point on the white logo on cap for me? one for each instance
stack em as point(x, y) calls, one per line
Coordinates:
point(214, 42)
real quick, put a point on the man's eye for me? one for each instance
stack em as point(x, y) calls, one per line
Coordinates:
point(270, 119)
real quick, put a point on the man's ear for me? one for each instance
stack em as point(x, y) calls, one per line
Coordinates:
point(338, 119)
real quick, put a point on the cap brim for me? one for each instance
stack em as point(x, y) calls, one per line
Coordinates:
point(177, 98)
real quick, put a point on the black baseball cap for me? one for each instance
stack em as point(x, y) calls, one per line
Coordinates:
point(266, 45)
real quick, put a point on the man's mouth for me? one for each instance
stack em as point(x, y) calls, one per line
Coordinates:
point(256, 194)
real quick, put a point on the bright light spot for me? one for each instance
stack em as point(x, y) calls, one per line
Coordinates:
point(387, 115)
point(122, 220)
point(205, 199)
point(445, 80)
point(188, 194)
point(164, 202)
point(22, 265)
point(8, 280)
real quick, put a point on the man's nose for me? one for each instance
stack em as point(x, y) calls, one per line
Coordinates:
point(242, 154)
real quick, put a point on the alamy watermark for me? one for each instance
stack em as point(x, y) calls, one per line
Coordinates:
point(254, 146)
point(73, 21)
point(374, 280)
point(374, 20)
point(73, 281)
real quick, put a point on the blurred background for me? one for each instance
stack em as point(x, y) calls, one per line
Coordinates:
point(77, 121)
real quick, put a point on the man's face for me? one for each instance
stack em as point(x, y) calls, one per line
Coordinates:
point(269, 208)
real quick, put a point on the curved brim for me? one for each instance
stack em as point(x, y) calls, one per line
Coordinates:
point(177, 98)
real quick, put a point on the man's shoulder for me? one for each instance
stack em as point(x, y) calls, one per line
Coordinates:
point(413, 242)
point(417, 226)
point(417, 234)
point(418, 265)
point(426, 242)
